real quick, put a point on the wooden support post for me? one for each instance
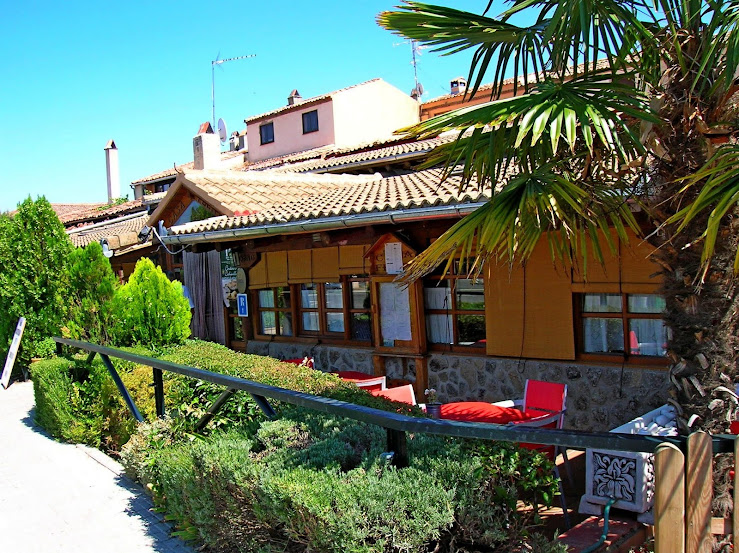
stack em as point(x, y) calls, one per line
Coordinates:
point(122, 388)
point(669, 499)
point(158, 392)
point(699, 480)
point(422, 378)
point(214, 408)
point(396, 442)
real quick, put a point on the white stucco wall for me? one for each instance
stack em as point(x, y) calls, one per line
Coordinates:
point(371, 112)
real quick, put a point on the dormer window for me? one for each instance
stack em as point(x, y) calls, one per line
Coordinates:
point(310, 121)
point(267, 133)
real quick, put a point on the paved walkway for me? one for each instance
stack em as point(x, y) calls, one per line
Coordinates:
point(58, 498)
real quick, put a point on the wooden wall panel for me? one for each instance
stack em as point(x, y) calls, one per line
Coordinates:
point(595, 272)
point(258, 275)
point(299, 266)
point(549, 323)
point(504, 310)
point(276, 268)
point(326, 264)
point(351, 260)
point(635, 264)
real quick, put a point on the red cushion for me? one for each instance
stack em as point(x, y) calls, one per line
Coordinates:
point(354, 375)
point(479, 411)
point(403, 394)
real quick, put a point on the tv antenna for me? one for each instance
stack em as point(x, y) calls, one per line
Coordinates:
point(213, 64)
point(415, 53)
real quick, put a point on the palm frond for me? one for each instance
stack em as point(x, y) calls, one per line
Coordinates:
point(586, 113)
point(450, 31)
point(530, 205)
point(719, 193)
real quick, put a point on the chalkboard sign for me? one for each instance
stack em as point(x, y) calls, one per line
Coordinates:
point(10, 360)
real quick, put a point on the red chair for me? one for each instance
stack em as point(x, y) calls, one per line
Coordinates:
point(545, 404)
point(402, 394)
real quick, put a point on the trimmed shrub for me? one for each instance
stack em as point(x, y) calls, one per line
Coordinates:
point(34, 252)
point(91, 288)
point(150, 310)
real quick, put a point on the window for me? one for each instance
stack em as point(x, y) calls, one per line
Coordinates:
point(266, 133)
point(310, 121)
point(336, 309)
point(455, 309)
point(235, 330)
point(624, 324)
point(275, 315)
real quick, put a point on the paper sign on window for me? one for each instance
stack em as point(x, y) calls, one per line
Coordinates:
point(393, 258)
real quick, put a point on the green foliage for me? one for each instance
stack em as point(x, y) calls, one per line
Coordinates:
point(150, 310)
point(46, 348)
point(91, 288)
point(34, 251)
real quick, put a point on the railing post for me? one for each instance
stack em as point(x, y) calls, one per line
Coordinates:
point(699, 479)
point(158, 391)
point(122, 388)
point(264, 405)
point(214, 408)
point(669, 499)
point(396, 442)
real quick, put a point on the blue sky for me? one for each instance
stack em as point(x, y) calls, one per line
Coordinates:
point(77, 74)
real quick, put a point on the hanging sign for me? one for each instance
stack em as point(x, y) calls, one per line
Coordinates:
point(242, 304)
point(10, 360)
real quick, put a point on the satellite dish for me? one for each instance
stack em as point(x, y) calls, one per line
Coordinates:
point(222, 131)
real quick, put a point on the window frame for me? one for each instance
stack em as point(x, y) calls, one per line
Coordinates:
point(296, 310)
point(271, 137)
point(624, 316)
point(276, 310)
point(310, 113)
point(454, 311)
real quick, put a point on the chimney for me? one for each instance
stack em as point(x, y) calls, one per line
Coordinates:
point(458, 85)
point(112, 171)
point(206, 148)
point(294, 98)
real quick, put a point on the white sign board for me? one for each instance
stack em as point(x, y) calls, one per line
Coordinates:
point(395, 313)
point(393, 258)
point(10, 360)
point(242, 304)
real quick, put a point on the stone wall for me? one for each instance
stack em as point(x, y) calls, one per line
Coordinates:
point(599, 397)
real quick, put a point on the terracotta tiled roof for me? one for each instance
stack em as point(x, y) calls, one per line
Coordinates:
point(82, 214)
point(253, 191)
point(83, 236)
point(228, 159)
point(413, 190)
point(368, 156)
point(304, 103)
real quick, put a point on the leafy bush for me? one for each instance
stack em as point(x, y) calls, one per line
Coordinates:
point(46, 348)
point(34, 252)
point(91, 288)
point(150, 310)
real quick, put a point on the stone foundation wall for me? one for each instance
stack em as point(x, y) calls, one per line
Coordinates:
point(599, 397)
point(326, 358)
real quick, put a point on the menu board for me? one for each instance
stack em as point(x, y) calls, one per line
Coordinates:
point(229, 271)
point(395, 313)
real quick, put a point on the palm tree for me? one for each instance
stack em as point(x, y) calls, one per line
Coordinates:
point(617, 126)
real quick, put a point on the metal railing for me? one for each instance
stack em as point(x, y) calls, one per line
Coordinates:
point(396, 425)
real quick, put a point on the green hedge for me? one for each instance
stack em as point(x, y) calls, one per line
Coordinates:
point(306, 481)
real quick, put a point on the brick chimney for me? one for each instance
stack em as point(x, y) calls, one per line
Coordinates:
point(458, 86)
point(206, 148)
point(112, 170)
point(294, 98)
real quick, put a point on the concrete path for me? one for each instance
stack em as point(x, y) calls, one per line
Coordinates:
point(58, 498)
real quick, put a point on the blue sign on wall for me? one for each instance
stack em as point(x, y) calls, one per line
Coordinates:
point(242, 305)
